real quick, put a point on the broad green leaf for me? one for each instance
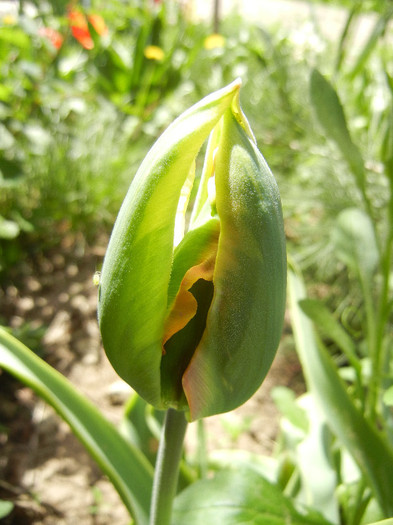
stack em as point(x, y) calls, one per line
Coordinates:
point(330, 114)
point(367, 446)
point(240, 497)
point(125, 465)
point(354, 240)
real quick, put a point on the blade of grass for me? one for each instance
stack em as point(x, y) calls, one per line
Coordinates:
point(126, 467)
point(379, 29)
point(345, 36)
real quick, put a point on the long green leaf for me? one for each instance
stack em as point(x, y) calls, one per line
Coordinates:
point(330, 113)
point(368, 448)
point(125, 465)
point(238, 497)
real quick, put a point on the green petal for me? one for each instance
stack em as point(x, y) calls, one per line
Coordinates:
point(245, 319)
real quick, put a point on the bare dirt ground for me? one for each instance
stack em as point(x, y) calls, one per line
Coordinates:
point(44, 470)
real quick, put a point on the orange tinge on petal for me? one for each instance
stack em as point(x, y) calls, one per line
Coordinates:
point(185, 305)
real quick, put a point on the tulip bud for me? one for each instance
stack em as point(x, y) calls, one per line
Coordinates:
point(192, 321)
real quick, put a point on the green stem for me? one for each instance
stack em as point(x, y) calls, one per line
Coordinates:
point(202, 448)
point(167, 467)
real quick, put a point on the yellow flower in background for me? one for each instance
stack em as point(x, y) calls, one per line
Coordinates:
point(214, 41)
point(154, 53)
point(9, 20)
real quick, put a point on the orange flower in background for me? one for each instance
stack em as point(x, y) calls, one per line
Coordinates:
point(98, 23)
point(54, 37)
point(80, 27)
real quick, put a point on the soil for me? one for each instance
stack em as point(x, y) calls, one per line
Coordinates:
point(44, 470)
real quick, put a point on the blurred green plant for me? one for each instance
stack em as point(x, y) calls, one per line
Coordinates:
point(341, 430)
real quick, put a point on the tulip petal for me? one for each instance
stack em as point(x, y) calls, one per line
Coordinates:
point(137, 268)
point(190, 293)
point(245, 318)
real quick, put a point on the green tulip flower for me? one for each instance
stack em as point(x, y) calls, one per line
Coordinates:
point(191, 317)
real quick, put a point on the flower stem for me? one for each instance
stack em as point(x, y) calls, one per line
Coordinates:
point(167, 467)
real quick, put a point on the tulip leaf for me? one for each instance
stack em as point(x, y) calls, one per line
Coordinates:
point(238, 497)
point(126, 467)
point(368, 448)
point(330, 113)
